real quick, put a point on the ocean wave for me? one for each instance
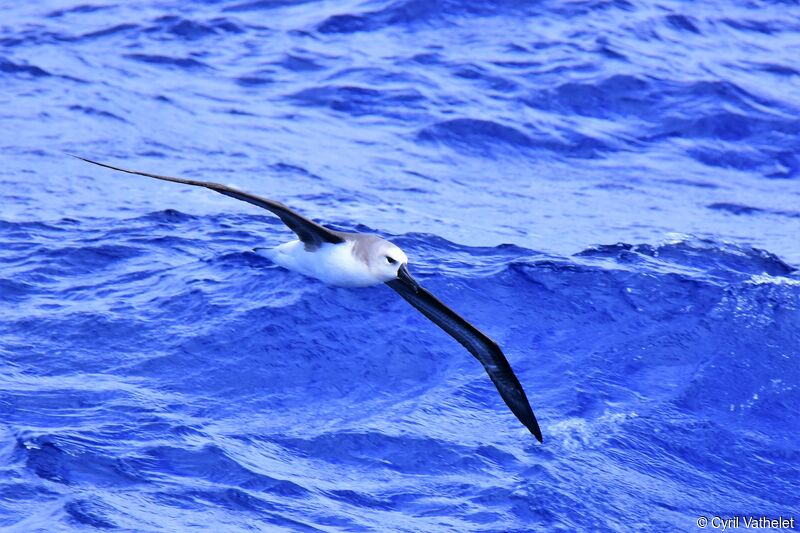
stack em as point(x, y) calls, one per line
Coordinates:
point(10, 67)
point(485, 137)
point(686, 309)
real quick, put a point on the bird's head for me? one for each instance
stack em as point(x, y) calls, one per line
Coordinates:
point(389, 262)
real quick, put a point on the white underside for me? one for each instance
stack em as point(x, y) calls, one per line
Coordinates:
point(333, 264)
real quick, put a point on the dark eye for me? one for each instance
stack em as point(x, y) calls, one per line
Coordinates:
point(390, 260)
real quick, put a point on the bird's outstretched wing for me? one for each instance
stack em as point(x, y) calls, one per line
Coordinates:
point(482, 347)
point(308, 231)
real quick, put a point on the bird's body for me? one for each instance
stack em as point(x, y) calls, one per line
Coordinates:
point(333, 264)
point(362, 260)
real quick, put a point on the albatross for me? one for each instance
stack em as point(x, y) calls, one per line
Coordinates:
point(363, 260)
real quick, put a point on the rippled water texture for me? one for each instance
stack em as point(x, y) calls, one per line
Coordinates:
point(610, 189)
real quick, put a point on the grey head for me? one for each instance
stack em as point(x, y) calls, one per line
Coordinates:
point(386, 261)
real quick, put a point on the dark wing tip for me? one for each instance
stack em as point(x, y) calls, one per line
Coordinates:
point(81, 158)
point(528, 419)
point(533, 427)
point(112, 167)
point(518, 403)
point(78, 157)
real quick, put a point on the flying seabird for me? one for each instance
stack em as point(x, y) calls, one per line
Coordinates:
point(363, 260)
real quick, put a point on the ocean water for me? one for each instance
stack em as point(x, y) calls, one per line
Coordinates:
point(608, 188)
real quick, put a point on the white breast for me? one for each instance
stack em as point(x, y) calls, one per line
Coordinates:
point(333, 264)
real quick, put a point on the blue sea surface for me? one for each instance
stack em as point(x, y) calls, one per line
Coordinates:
point(608, 188)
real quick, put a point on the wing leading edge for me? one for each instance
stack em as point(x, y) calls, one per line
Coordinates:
point(308, 231)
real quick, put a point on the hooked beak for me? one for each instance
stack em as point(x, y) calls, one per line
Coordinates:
point(404, 276)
